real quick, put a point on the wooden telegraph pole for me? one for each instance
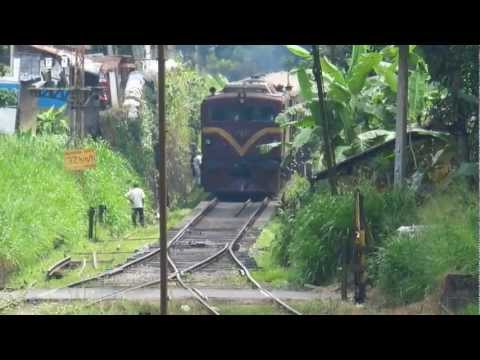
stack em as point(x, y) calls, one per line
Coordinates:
point(402, 108)
point(162, 188)
point(359, 246)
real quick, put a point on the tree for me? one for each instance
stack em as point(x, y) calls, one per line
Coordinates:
point(329, 154)
point(456, 68)
point(238, 61)
point(360, 100)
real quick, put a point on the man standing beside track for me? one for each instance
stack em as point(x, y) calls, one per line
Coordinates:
point(197, 166)
point(137, 199)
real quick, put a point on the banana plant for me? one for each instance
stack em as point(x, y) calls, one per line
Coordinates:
point(342, 88)
point(422, 92)
point(361, 100)
point(53, 121)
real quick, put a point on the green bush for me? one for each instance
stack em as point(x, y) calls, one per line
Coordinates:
point(311, 241)
point(53, 121)
point(409, 267)
point(7, 97)
point(42, 205)
point(295, 191)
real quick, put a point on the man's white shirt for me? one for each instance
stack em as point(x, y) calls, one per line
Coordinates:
point(136, 196)
point(197, 162)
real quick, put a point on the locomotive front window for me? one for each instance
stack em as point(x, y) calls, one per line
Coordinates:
point(242, 112)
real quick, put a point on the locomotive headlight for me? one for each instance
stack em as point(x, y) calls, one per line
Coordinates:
point(208, 141)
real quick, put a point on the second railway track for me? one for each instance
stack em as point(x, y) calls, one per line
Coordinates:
point(209, 242)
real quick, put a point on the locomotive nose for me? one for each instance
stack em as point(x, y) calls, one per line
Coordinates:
point(241, 169)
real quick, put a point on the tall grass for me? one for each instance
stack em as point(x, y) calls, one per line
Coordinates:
point(107, 184)
point(312, 239)
point(412, 266)
point(42, 206)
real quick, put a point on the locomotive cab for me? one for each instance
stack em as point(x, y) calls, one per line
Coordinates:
point(240, 139)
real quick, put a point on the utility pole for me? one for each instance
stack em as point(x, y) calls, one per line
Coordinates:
point(162, 188)
point(329, 154)
point(196, 57)
point(78, 127)
point(12, 54)
point(402, 109)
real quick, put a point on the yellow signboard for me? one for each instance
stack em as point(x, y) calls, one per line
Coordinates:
point(80, 159)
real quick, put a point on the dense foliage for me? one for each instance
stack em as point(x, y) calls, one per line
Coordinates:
point(313, 226)
point(53, 121)
point(237, 61)
point(136, 139)
point(42, 206)
point(7, 97)
point(411, 266)
point(312, 235)
point(360, 100)
point(457, 112)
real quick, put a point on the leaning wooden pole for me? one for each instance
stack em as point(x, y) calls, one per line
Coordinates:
point(329, 154)
point(401, 124)
point(162, 188)
point(359, 244)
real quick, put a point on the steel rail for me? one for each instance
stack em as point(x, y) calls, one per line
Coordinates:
point(176, 276)
point(58, 266)
point(202, 263)
point(229, 247)
point(123, 291)
point(245, 204)
point(150, 254)
point(216, 255)
point(247, 273)
point(191, 290)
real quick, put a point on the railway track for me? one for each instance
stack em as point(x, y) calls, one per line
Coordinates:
point(209, 243)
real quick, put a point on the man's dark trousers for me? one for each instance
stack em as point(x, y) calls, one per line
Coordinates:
point(138, 211)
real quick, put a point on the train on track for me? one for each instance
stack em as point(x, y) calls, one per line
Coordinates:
point(235, 123)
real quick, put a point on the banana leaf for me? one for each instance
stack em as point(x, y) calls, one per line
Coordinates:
point(299, 51)
point(360, 71)
point(374, 137)
point(306, 121)
point(302, 138)
point(305, 84)
point(333, 71)
point(357, 51)
point(338, 92)
point(436, 134)
point(416, 93)
point(339, 153)
point(387, 71)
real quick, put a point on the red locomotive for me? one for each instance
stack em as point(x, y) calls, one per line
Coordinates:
point(235, 122)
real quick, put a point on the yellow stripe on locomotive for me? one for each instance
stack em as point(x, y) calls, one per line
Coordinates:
point(242, 149)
